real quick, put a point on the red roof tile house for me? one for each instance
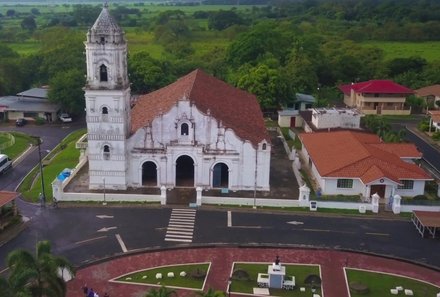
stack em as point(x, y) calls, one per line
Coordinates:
point(196, 132)
point(356, 163)
point(377, 97)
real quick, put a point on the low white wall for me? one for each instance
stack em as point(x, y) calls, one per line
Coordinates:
point(411, 208)
point(250, 201)
point(109, 197)
point(343, 205)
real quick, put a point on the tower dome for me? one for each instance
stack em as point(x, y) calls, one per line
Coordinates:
point(105, 29)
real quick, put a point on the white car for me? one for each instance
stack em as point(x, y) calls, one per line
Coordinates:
point(65, 118)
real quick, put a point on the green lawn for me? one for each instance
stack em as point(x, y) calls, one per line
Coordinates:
point(148, 276)
point(428, 50)
point(299, 271)
point(380, 284)
point(22, 142)
point(65, 156)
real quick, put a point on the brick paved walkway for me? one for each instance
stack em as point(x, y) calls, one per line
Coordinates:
point(332, 263)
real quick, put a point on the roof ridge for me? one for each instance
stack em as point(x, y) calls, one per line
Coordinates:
point(193, 83)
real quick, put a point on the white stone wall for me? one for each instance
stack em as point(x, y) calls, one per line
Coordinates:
point(330, 187)
point(207, 143)
point(107, 129)
point(284, 121)
point(334, 118)
point(418, 189)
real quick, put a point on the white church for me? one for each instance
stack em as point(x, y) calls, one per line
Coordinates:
point(196, 132)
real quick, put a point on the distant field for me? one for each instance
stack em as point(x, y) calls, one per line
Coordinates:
point(428, 50)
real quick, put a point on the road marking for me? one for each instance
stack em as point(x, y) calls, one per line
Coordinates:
point(91, 239)
point(105, 229)
point(295, 223)
point(229, 218)
point(104, 217)
point(121, 243)
point(378, 234)
point(176, 239)
point(181, 225)
point(326, 230)
point(247, 227)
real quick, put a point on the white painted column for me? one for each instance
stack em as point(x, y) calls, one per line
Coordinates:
point(375, 202)
point(163, 195)
point(396, 204)
point(199, 196)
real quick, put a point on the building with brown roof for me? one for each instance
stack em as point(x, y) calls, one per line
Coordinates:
point(196, 132)
point(377, 97)
point(431, 94)
point(356, 163)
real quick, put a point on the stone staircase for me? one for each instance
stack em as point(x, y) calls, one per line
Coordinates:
point(181, 196)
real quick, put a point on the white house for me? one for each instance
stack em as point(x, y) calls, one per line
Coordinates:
point(434, 120)
point(331, 118)
point(356, 163)
point(195, 132)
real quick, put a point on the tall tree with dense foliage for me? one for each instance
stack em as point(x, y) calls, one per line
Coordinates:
point(220, 20)
point(28, 23)
point(66, 89)
point(266, 82)
point(38, 274)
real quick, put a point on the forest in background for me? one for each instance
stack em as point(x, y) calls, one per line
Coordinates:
point(270, 48)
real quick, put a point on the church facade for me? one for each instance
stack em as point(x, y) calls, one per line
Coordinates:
point(196, 132)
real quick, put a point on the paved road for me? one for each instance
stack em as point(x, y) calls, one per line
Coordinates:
point(80, 235)
point(430, 154)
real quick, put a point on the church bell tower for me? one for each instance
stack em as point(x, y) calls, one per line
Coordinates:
point(107, 95)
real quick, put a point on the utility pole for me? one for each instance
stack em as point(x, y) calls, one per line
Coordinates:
point(43, 193)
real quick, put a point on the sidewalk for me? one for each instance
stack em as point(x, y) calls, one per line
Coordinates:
point(331, 262)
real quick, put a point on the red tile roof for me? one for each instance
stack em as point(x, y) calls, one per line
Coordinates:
point(235, 108)
point(376, 86)
point(427, 91)
point(435, 115)
point(349, 154)
point(6, 197)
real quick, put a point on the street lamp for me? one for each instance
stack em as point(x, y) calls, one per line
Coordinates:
point(42, 196)
point(103, 180)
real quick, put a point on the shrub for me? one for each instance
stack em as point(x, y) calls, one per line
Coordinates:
point(40, 121)
point(420, 197)
point(436, 136)
point(198, 273)
point(240, 274)
point(359, 288)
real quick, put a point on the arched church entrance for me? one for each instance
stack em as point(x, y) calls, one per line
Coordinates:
point(220, 176)
point(185, 171)
point(149, 174)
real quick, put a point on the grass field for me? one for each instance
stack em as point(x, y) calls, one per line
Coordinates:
point(428, 50)
point(149, 276)
point(66, 158)
point(380, 284)
point(22, 142)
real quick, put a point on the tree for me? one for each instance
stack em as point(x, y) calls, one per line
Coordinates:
point(10, 13)
point(267, 83)
point(222, 19)
point(265, 38)
point(161, 292)
point(146, 73)
point(29, 23)
point(35, 11)
point(66, 89)
point(39, 274)
point(401, 65)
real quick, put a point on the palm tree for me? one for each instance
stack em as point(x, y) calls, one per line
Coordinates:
point(40, 274)
point(211, 293)
point(15, 287)
point(162, 292)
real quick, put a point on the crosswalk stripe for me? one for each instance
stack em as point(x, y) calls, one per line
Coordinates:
point(181, 225)
point(177, 239)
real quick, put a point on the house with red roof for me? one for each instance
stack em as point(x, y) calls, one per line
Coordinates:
point(377, 97)
point(196, 132)
point(431, 94)
point(357, 163)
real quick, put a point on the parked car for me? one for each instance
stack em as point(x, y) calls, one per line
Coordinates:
point(65, 118)
point(20, 122)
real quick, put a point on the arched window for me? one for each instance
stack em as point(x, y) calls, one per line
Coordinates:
point(103, 73)
point(106, 152)
point(102, 39)
point(184, 129)
point(264, 147)
point(104, 110)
